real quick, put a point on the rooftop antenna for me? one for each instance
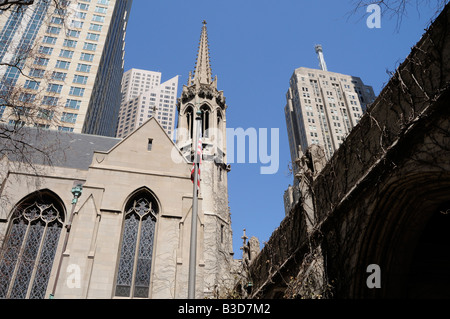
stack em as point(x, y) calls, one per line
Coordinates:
point(319, 51)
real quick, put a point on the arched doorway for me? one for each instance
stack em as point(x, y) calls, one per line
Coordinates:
point(406, 235)
point(429, 271)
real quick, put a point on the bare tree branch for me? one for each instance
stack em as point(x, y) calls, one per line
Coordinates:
point(8, 4)
point(29, 105)
point(397, 8)
point(15, 4)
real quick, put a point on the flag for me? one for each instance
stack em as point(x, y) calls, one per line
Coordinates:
point(199, 161)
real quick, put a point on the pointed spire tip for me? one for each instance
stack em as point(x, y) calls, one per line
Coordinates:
point(203, 71)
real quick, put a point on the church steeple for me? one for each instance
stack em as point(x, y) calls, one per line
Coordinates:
point(201, 98)
point(203, 73)
point(201, 95)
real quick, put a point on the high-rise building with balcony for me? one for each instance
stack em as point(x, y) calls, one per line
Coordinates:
point(64, 59)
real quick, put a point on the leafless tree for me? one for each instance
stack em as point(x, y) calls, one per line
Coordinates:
point(15, 4)
point(397, 9)
point(29, 104)
point(8, 4)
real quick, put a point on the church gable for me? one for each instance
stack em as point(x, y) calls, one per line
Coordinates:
point(149, 148)
point(129, 234)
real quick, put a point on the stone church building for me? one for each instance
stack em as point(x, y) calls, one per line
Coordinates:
point(111, 218)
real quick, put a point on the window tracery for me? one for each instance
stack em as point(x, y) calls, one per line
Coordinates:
point(134, 272)
point(27, 256)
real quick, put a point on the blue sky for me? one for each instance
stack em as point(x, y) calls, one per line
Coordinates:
point(255, 46)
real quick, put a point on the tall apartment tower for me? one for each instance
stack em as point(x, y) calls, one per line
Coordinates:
point(322, 107)
point(144, 96)
point(70, 60)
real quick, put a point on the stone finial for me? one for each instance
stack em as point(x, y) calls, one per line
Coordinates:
point(254, 248)
point(244, 237)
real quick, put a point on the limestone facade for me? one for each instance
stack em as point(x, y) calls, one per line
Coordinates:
point(128, 233)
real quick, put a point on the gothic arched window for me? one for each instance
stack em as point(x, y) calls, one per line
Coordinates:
point(219, 128)
point(134, 272)
point(190, 121)
point(205, 120)
point(26, 259)
point(219, 120)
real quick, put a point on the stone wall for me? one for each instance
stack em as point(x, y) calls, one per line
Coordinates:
point(391, 172)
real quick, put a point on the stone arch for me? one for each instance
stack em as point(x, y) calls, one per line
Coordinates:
point(396, 223)
point(137, 245)
point(45, 195)
point(431, 252)
point(189, 119)
point(29, 249)
point(220, 128)
point(143, 191)
point(206, 119)
point(219, 118)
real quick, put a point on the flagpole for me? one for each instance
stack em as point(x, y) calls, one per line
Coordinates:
point(193, 244)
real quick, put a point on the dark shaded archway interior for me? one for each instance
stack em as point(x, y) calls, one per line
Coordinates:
point(429, 272)
point(408, 237)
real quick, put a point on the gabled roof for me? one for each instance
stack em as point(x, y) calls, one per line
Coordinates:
point(74, 150)
point(63, 149)
point(133, 152)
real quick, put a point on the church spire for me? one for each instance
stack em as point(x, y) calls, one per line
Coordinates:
point(203, 73)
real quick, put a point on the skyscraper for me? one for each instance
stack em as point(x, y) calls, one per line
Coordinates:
point(144, 96)
point(322, 107)
point(66, 56)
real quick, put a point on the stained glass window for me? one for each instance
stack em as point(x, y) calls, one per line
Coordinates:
point(133, 277)
point(26, 258)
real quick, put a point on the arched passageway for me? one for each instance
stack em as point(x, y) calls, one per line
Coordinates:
point(429, 272)
point(408, 236)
